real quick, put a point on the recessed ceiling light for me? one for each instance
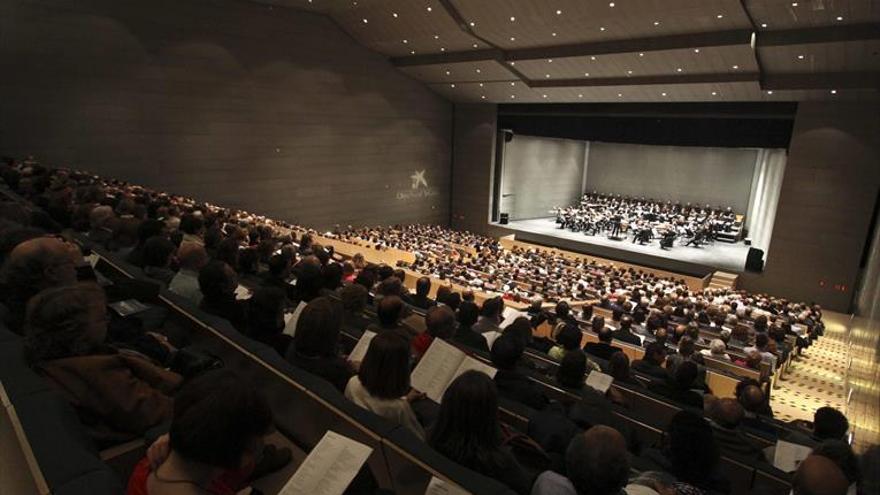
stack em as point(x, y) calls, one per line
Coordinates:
point(549, 60)
point(800, 57)
point(452, 85)
point(512, 19)
point(512, 38)
point(834, 91)
point(558, 12)
point(580, 96)
point(429, 9)
point(365, 21)
point(394, 14)
point(473, 23)
point(735, 67)
point(839, 18)
point(696, 50)
point(601, 28)
point(714, 93)
point(478, 71)
point(763, 24)
point(436, 36)
point(481, 85)
point(512, 96)
point(512, 62)
point(405, 42)
point(611, 5)
point(662, 94)
point(547, 76)
point(476, 45)
point(587, 74)
point(448, 73)
point(629, 72)
point(720, 16)
point(678, 69)
point(483, 97)
point(593, 58)
point(656, 23)
point(770, 92)
point(553, 34)
point(442, 49)
point(544, 96)
point(413, 52)
point(620, 95)
point(641, 54)
point(794, 4)
point(513, 84)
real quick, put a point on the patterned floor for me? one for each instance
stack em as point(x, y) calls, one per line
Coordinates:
point(817, 378)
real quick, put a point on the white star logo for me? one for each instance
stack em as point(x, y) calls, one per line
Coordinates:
point(418, 177)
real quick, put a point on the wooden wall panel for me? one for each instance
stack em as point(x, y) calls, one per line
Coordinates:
point(273, 110)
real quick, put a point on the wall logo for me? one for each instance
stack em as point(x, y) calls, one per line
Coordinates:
point(419, 188)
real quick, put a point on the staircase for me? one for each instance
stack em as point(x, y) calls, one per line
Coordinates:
point(723, 280)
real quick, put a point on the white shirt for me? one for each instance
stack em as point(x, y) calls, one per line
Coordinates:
point(186, 284)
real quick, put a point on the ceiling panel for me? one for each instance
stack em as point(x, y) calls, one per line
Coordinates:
point(850, 56)
point(708, 60)
point(461, 72)
point(784, 14)
point(536, 21)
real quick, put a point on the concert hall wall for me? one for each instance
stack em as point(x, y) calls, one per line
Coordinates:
point(715, 176)
point(266, 108)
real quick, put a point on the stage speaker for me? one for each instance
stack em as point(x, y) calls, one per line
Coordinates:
point(503, 219)
point(755, 260)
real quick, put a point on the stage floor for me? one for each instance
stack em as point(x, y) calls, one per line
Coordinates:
point(720, 255)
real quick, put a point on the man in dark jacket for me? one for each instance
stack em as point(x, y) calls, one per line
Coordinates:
point(602, 349)
point(624, 332)
point(652, 363)
point(511, 383)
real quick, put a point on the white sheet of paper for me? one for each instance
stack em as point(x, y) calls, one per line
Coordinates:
point(436, 369)
point(329, 467)
point(509, 315)
point(788, 455)
point(93, 259)
point(491, 337)
point(242, 292)
point(290, 319)
point(599, 381)
point(440, 487)
point(363, 344)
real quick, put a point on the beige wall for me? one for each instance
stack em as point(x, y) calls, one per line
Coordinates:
point(272, 110)
point(828, 195)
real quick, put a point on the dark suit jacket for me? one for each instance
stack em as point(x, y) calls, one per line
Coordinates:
point(649, 368)
point(670, 391)
point(601, 350)
point(422, 302)
point(517, 387)
point(735, 442)
point(471, 339)
point(628, 337)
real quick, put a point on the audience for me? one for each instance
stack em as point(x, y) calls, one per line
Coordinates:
point(191, 258)
point(602, 349)
point(652, 363)
point(512, 383)
point(440, 324)
point(421, 299)
point(468, 314)
point(467, 431)
point(217, 282)
point(382, 382)
point(819, 475)
point(315, 344)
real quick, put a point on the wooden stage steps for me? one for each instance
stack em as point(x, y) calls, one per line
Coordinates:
point(723, 280)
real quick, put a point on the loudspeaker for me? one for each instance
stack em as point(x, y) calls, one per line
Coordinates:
point(503, 219)
point(755, 260)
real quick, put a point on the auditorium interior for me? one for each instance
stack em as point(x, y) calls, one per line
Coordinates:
point(567, 247)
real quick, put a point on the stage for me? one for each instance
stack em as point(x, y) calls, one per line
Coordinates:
point(682, 259)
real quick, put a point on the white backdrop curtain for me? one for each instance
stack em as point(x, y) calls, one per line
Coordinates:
point(766, 186)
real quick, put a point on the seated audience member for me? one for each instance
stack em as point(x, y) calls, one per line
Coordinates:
point(624, 332)
point(819, 475)
point(467, 431)
point(315, 345)
point(439, 324)
point(752, 360)
point(602, 349)
point(597, 463)
point(421, 299)
point(265, 318)
point(390, 312)
point(563, 313)
point(117, 395)
point(841, 454)
point(32, 266)
point(218, 282)
point(568, 339)
point(193, 228)
point(157, 258)
point(691, 454)
point(618, 368)
point(726, 416)
point(687, 353)
point(679, 386)
point(572, 370)
point(382, 382)
point(762, 344)
point(490, 316)
point(146, 230)
point(828, 424)
point(716, 350)
point(467, 317)
point(192, 258)
point(513, 384)
point(332, 276)
point(521, 329)
point(215, 441)
point(652, 363)
point(101, 221)
point(278, 275)
point(354, 302)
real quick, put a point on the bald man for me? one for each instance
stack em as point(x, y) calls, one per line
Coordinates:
point(727, 416)
point(597, 464)
point(32, 266)
point(819, 475)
